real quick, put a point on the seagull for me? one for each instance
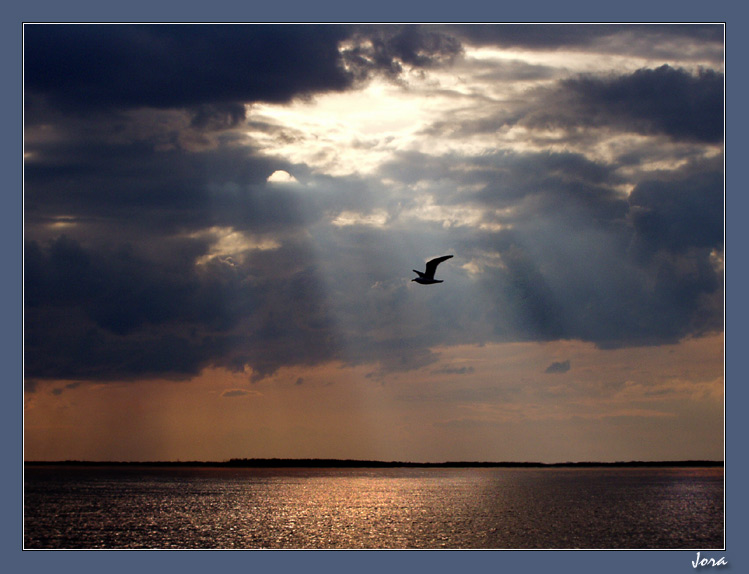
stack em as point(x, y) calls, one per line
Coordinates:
point(427, 278)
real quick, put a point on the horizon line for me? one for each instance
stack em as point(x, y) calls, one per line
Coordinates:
point(350, 463)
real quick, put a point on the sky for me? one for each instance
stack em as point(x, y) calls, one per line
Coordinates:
point(221, 223)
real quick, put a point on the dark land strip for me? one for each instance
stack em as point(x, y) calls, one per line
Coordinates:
point(347, 463)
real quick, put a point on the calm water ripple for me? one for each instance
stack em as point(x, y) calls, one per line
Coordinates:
point(373, 508)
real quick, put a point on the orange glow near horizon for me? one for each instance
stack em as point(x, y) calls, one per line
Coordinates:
point(491, 402)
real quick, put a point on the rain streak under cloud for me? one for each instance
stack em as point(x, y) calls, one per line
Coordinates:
point(226, 217)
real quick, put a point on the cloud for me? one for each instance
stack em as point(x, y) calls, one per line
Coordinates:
point(234, 393)
point(664, 100)
point(679, 214)
point(218, 116)
point(454, 371)
point(84, 68)
point(572, 256)
point(159, 244)
point(575, 261)
point(582, 110)
point(387, 49)
point(123, 315)
point(551, 36)
point(121, 291)
point(281, 176)
point(212, 70)
point(558, 367)
point(59, 390)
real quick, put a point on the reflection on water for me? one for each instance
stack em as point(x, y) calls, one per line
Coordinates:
point(373, 508)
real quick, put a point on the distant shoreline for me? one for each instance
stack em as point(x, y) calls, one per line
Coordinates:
point(344, 463)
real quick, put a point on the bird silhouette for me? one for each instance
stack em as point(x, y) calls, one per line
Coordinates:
point(427, 278)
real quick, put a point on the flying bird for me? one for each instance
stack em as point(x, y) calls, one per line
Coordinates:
point(427, 278)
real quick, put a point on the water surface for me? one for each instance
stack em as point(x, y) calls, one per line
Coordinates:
point(121, 507)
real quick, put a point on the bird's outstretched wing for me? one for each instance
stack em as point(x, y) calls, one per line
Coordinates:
point(432, 264)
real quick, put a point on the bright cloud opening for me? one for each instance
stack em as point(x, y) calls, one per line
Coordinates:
point(281, 176)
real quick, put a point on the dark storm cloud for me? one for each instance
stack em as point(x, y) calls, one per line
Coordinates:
point(121, 315)
point(664, 100)
point(678, 214)
point(91, 314)
point(170, 190)
point(100, 180)
point(212, 69)
point(88, 67)
point(121, 290)
point(64, 343)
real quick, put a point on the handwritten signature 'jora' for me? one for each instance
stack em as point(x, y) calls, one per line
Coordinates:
point(708, 562)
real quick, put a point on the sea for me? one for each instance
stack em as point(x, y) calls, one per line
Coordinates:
point(116, 507)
